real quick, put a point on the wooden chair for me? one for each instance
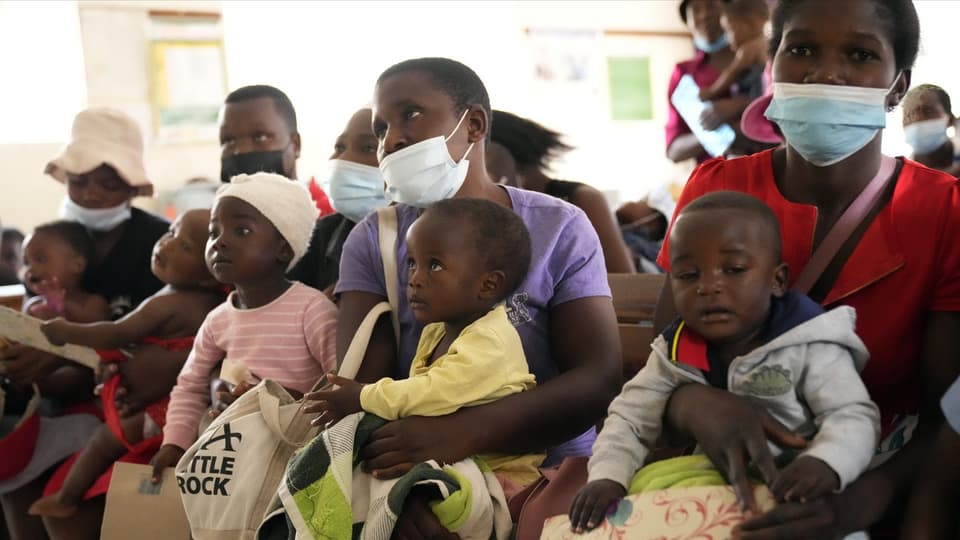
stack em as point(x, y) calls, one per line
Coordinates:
point(11, 296)
point(634, 301)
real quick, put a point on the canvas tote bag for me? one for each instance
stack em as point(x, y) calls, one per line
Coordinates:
point(229, 477)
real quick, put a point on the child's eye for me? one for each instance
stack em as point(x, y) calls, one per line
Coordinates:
point(686, 275)
point(339, 148)
point(243, 231)
point(410, 114)
point(379, 130)
point(260, 137)
point(436, 266)
point(735, 269)
point(225, 143)
point(411, 266)
point(800, 50)
point(369, 149)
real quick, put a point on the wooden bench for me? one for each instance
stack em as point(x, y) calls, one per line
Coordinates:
point(634, 301)
point(11, 296)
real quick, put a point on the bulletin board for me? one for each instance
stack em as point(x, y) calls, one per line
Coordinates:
point(187, 77)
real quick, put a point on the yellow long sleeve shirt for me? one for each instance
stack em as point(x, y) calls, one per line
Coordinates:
point(485, 363)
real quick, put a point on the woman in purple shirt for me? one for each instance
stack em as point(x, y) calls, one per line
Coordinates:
point(432, 118)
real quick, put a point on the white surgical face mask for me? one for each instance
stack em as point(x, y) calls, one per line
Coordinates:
point(424, 173)
point(95, 219)
point(355, 189)
point(927, 135)
point(828, 123)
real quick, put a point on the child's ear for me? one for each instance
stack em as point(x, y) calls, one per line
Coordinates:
point(491, 284)
point(780, 276)
point(78, 265)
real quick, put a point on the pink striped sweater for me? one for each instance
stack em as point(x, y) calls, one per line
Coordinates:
point(291, 340)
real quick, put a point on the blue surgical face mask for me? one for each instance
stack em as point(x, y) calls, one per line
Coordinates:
point(926, 136)
point(827, 123)
point(355, 189)
point(711, 47)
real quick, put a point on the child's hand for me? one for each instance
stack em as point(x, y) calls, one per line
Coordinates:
point(805, 479)
point(167, 456)
point(55, 330)
point(225, 397)
point(705, 94)
point(592, 504)
point(335, 404)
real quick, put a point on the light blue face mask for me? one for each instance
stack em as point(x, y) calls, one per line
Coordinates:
point(827, 123)
point(711, 47)
point(356, 189)
point(926, 136)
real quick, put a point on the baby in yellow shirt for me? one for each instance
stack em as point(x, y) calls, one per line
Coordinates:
point(464, 257)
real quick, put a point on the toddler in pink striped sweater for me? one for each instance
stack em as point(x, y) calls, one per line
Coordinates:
point(260, 227)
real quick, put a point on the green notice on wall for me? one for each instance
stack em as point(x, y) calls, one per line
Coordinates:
point(629, 79)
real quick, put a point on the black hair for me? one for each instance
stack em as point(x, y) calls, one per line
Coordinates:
point(11, 233)
point(74, 235)
point(746, 8)
point(527, 141)
point(942, 96)
point(899, 18)
point(747, 205)
point(280, 101)
point(683, 10)
point(500, 237)
point(452, 78)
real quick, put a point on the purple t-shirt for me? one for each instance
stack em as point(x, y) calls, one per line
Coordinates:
point(566, 264)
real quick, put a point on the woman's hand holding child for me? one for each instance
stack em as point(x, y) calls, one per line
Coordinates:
point(592, 504)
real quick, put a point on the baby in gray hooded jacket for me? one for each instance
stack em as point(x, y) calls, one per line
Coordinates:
point(740, 330)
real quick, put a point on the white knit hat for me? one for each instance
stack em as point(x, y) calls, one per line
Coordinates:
point(284, 202)
point(103, 136)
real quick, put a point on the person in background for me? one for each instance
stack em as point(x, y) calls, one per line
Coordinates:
point(356, 189)
point(103, 170)
point(258, 133)
point(530, 148)
point(195, 194)
point(702, 18)
point(11, 246)
point(742, 22)
point(926, 116)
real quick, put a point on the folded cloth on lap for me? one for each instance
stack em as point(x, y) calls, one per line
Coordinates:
point(326, 495)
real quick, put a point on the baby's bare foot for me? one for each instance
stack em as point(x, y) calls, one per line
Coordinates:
point(51, 506)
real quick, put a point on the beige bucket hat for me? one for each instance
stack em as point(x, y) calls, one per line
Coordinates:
point(101, 136)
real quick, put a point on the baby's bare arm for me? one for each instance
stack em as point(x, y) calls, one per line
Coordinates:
point(140, 323)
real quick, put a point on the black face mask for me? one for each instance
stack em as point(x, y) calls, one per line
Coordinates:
point(252, 162)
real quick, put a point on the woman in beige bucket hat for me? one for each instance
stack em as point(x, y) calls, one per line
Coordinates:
point(102, 167)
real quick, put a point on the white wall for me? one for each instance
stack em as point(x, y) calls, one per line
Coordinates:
point(327, 56)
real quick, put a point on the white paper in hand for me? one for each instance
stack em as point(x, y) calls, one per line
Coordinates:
point(686, 99)
point(22, 328)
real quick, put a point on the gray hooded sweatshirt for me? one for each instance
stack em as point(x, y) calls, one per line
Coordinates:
point(807, 378)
